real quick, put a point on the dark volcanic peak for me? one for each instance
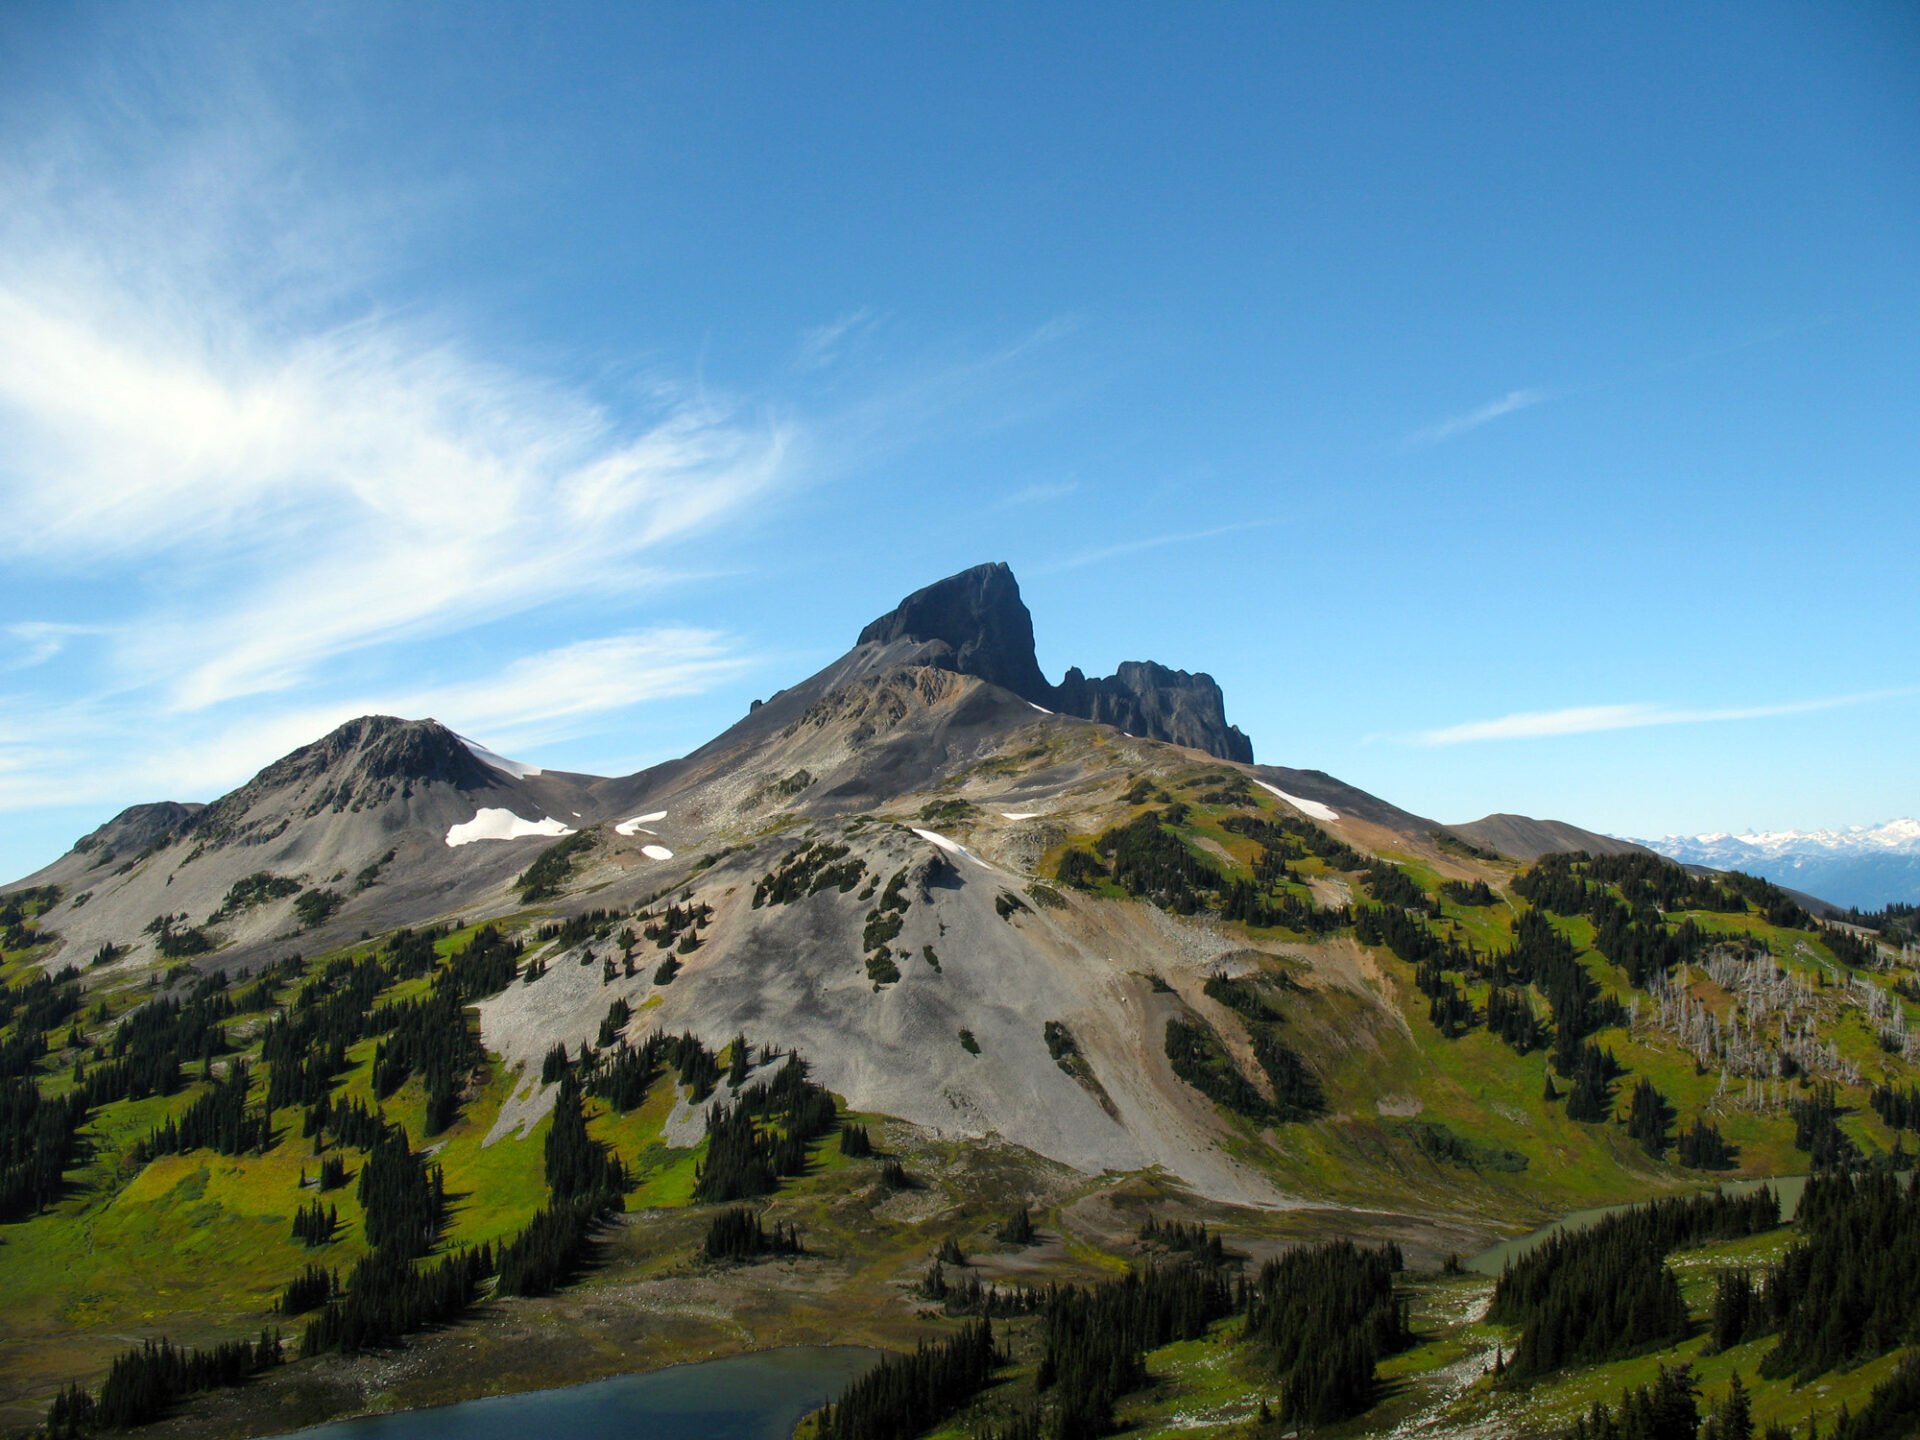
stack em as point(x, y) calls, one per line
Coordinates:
point(975, 623)
point(1143, 698)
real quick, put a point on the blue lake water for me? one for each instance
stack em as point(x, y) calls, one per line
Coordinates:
point(746, 1397)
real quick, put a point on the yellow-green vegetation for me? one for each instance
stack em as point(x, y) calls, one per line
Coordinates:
point(1453, 1122)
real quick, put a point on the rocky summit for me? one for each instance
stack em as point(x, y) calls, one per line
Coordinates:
point(975, 623)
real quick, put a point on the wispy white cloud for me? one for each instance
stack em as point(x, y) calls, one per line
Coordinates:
point(78, 753)
point(822, 345)
point(40, 640)
point(1590, 719)
point(1040, 493)
point(280, 471)
point(1507, 404)
point(1145, 542)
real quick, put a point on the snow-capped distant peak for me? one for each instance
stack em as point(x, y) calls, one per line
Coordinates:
point(1895, 836)
point(498, 762)
point(1863, 865)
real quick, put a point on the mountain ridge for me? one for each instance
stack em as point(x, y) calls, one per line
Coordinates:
point(975, 622)
point(1862, 866)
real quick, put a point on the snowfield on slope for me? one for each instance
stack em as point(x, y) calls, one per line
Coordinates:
point(629, 827)
point(952, 847)
point(502, 825)
point(505, 766)
point(1305, 807)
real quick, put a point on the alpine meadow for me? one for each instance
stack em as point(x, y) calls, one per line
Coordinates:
point(566, 887)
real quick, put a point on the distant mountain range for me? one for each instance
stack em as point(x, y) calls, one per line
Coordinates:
point(1862, 866)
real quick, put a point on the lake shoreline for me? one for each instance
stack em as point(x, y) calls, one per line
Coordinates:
point(754, 1395)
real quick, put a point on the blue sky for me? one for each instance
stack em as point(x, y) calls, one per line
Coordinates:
point(1513, 406)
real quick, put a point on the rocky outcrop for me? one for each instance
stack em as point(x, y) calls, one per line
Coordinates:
point(1143, 698)
point(138, 826)
point(975, 623)
point(361, 764)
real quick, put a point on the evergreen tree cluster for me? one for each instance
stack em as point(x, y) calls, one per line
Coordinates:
point(807, 871)
point(38, 1140)
point(763, 1136)
point(737, 1233)
point(1018, 1228)
point(581, 1171)
point(402, 1197)
point(151, 1045)
point(1850, 1288)
point(905, 1395)
point(594, 924)
point(1319, 1318)
point(1150, 862)
point(1510, 1016)
point(548, 1253)
point(1668, 1409)
point(1592, 1071)
point(1899, 1108)
point(309, 1290)
point(1702, 1147)
point(1739, 1313)
point(1650, 1119)
point(1475, 893)
point(1598, 1294)
point(1892, 1411)
point(145, 1383)
point(1816, 1130)
point(1565, 883)
point(388, 1297)
point(1095, 1338)
point(35, 1010)
point(429, 1037)
point(315, 1225)
point(1179, 1237)
point(1392, 886)
point(676, 926)
point(970, 1296)
point(553, 867)
point(1295, 839)
point(1199, 1057)
point(258, 888)
point(219, 1120)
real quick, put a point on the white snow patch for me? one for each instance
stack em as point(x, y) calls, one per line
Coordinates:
point(953, 847)
point(1041, 708)
point(502, 825)
point(629, 827)
point(1305, 807)
point(499, 762)
point(1022, 814)
point(656, 852)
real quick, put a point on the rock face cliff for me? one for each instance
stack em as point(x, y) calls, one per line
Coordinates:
point(975, 623)
point(1143, 698)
